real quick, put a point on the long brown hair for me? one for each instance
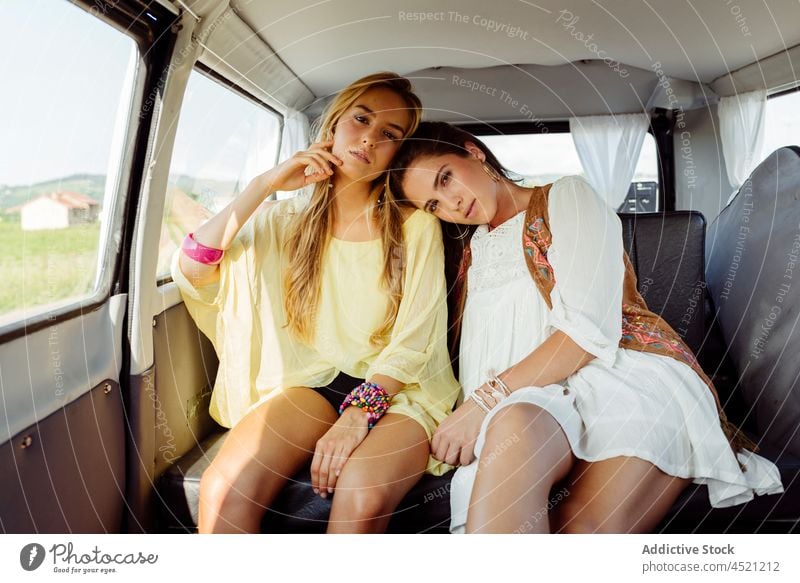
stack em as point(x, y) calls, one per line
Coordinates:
point(312, 228)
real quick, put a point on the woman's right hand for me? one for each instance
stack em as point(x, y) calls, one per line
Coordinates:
point(291, 174)
point(454, 440)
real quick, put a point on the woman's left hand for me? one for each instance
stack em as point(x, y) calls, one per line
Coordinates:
point(335, 447)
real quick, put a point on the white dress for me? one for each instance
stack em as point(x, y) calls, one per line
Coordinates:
point(624, 402)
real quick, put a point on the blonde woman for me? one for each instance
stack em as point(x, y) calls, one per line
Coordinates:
point(327, 312)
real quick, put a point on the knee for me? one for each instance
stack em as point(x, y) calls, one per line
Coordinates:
point(362, 503)
point(520, 423)
point(582, 519)
point(517, 418)
point(580, 525)
point(219, 489)
point(213, 487)
point(355, 500)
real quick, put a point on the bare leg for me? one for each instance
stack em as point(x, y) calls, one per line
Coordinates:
point(259, 455)
point(378, 474)
point(525, 454)
point(621, 494)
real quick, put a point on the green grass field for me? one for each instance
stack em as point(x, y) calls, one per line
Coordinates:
point(42, 267)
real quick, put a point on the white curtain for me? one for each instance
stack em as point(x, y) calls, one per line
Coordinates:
point(741, 130)
point(296, 136)
point(608, 147)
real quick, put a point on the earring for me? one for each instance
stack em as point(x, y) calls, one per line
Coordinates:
point(461, 234)
point(490, 171)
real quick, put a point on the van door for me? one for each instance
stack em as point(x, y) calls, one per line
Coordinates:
point(73, 116)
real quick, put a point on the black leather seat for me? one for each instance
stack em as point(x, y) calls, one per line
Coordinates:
point(425, 509)
point(779, 513)
point(667, 252)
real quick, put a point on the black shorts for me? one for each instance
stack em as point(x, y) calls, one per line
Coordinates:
point(338, 389)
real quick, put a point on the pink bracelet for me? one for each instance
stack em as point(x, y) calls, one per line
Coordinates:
point(199, 252)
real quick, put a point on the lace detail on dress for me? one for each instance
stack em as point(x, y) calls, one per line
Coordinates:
point(496, 256)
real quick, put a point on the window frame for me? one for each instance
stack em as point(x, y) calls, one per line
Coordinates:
point(775, 95)
point(150, 28)
point(241, 92)
point(783, 92)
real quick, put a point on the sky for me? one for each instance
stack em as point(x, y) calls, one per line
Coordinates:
point(63, 72)
point(782, 123)
point(66, 71)
point(222, 136)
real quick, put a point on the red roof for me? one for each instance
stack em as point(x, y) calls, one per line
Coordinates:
point(73, 200)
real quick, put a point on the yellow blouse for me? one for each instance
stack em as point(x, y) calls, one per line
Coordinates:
point(243, 316)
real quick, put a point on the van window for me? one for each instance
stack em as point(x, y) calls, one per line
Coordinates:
point(542, 158)
point(223, 141)
point(66, 99)
point(782, 122)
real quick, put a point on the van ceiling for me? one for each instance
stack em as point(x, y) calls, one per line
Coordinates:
point(328, 43)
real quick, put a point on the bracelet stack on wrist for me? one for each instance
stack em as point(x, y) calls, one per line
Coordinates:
point(370, 398)
point(481, 399)
point(498, 386)
point(487, 399)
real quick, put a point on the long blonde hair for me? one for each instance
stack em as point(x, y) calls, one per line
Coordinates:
point(312, 229)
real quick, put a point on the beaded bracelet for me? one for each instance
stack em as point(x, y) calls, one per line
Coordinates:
point(369, 397)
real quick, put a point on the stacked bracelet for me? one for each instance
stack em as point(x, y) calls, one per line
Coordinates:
point(498, 386)
point(199, 252)
point(487, 399)
point(370, 398)
point(481, 398)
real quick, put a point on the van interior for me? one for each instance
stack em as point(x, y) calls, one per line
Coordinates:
point(130, 122)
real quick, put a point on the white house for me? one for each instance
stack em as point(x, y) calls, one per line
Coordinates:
point(58, 210)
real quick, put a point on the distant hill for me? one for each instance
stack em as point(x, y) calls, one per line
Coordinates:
point(92, 185)
point(185, 212)
point(202, 190)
